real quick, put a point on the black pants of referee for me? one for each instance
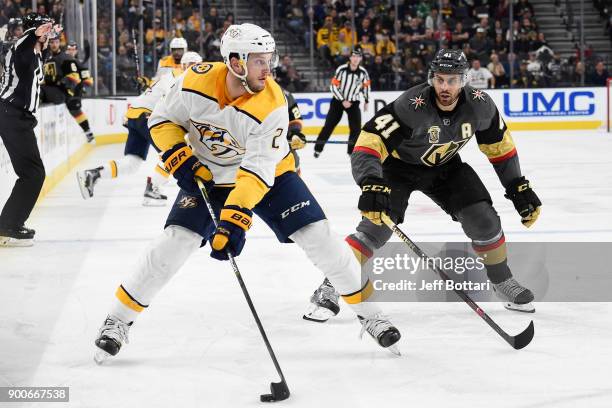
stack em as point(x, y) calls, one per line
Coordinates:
point(17, 133)
point(333, 117)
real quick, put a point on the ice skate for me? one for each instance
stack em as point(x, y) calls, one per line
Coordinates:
point(380, 328)
point(323, 303)
point(152, 196)
point(16, 237)
point(113, 334)
point(87, 180)
point(514, 296)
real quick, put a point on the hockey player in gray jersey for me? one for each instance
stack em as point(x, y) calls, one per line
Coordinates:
point(411, 145)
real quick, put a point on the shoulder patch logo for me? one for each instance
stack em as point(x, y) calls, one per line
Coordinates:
point(218, 140)
point(434, 134)
point(188, 202)
point(201, 68)
point(478, 94)
point(417, 101)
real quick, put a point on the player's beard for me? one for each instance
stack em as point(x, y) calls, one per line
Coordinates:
point(255, 85)
point(446, 98)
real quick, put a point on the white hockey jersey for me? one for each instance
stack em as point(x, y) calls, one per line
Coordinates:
point(243, 142)
point(145, 102)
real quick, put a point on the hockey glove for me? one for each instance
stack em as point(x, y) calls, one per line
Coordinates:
point(297, 141)
point(525, 200)
point(230, 235)
point(185, 167)
point(374, 199)
point(143, 83)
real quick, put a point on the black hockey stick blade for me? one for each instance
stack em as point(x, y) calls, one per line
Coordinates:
point(523, 339)
point(279, 392)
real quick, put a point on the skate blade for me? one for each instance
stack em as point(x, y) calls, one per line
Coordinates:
point(394, 349)
point(153, 202)
point(9, 242)
point(318, 314)
point(80, 175)
point(515, 307)
point(101, 356)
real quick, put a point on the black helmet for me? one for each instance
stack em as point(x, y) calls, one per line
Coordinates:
point(449, 62)
point(72, 44)
point(35, 20)
point(14, 23)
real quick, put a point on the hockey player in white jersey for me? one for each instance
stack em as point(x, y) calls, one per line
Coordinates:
point(178, 48)
point(138, 141)
point(236, 118)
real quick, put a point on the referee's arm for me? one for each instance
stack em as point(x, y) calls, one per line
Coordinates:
point(24, 47)
point(366, 86)
point(335, 82)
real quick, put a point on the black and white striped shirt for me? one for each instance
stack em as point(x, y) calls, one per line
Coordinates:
point(346, 85)
point(23, 73)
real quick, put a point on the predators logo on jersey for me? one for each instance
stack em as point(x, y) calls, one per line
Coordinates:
point(218, 140)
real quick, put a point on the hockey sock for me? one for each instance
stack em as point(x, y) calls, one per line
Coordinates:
point(337, 262)
point(81, 119)
point(160, 176)
point(128, 164)
point(160, 262)
point(494, 258)
point(362, 248)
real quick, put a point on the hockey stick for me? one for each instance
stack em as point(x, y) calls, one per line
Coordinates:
point(137, 61)
point(279, 390)
point(518, 342)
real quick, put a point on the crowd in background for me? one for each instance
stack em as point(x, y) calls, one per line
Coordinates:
point(397, 42)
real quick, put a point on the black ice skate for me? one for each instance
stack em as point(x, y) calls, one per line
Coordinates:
point(113, 334)
point(514, 296)
point(87, 180)
point(380, 328)
point(152, 196)
point(323, 303)
point(16, 237)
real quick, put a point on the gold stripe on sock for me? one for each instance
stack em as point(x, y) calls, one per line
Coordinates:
point(360, 296)
point(128, 301)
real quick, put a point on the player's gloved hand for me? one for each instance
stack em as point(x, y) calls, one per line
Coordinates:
point(185, 167)
point(525, 200)
point(230, 235)
point(374, 199)
point(143, 83)
point(297, 141)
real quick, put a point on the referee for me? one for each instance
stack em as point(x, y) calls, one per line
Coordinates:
point(19, 92)
point(349, 81)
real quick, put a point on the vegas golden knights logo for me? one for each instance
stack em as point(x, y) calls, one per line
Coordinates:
point(434, 134)
point(441, 153)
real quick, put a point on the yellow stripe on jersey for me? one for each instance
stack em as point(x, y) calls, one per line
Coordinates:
point(249, 190)
point(263, 103)
point(501, 150)
point(371, 143)
point(128, 300)
point(359, 296)
point(113, 166)
point(285, 165)
point(177, 71)
point(134, 113)
point(166, 135)
point(73, 77)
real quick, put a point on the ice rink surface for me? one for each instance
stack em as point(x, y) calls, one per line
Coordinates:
point(197, 344)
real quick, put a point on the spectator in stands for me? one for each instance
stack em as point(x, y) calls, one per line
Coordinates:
point(385, 47)
point(295, 16)
point(194, 22)
point(340, 49)
point(214, 18)
point(481, 44)
point(379, 73)
point(534, 66)
point(498, 29)
point(368, 48)
point(444, 34)
point(500, 46)
point(499, 73)
point(325, 36)
point(521, 8)
point(479, 77)
point(366, 28)
point(416, 71)
point(599, 76)
point(459, 36)
point(287, 76)
point(433, 20)
point(349, 34)
point(555, 70)
point(447, 11)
